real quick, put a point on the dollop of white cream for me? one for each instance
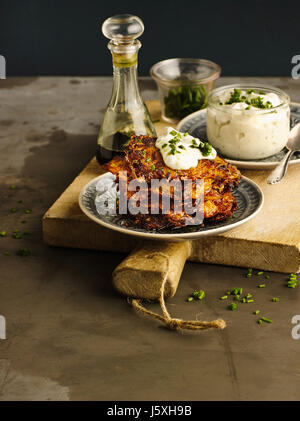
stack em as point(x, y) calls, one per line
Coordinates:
point(187, 151)
point(269, 98)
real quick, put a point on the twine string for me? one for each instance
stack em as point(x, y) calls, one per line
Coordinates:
point(170, 322)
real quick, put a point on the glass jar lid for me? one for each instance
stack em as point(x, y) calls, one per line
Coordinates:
point(177, 71)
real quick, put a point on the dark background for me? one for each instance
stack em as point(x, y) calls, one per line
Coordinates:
point(247, 38)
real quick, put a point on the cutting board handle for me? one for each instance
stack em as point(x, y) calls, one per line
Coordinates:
point(141, 274)
point(152, 272)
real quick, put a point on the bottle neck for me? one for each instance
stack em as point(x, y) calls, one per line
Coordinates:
point(125, 84)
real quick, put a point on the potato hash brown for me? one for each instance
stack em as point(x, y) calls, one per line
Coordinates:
point(143, 161)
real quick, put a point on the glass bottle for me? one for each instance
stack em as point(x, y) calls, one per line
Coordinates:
point(126, 113)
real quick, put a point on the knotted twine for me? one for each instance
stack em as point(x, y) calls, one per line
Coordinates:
point(170, 322)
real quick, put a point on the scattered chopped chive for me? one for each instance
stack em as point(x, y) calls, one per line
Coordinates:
point(275, 299)
point(190, 299)
point(16, 235)
point(256, 312)
point(201, 294)
point(227, 292)
point(224, 297)
point(23, 252)
point(244, 300)
point(236, 291)
point(259, 321)
point(27, 210)
point(265, 319)
point(153, 167)
point(249, 275)
point(250, 270)
point(148, 159)
point(3, 233)
point(250, 301)
point(236, 297)
point(261, 286)
point(12, 187)
point(259, 273)
point(267, 277)
point(232, 306)
point(249, 295)
point(13, 210)
point(195, 294)
point(262, 93)
point(292, 281)
point(6, 253)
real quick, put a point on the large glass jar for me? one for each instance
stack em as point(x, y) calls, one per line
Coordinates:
point(248, 121)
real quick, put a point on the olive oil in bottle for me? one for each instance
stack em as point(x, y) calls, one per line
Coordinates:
point(126, 113)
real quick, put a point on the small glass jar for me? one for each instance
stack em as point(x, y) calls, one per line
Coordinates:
point(246, 132)
point(183, 85)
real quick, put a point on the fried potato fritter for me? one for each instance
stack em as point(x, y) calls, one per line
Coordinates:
point(143, 161)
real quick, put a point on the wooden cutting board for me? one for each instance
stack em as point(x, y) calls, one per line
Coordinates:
point(270, 241)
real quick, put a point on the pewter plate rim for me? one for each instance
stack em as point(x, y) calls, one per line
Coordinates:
point(87, 197)
point(243, 163)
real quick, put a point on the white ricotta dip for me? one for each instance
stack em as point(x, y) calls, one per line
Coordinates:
point(251, 123)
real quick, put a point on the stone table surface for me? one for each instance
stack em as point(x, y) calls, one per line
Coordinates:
point(70, 336)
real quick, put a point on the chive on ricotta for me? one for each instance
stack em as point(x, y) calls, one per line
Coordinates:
point(181, 151)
